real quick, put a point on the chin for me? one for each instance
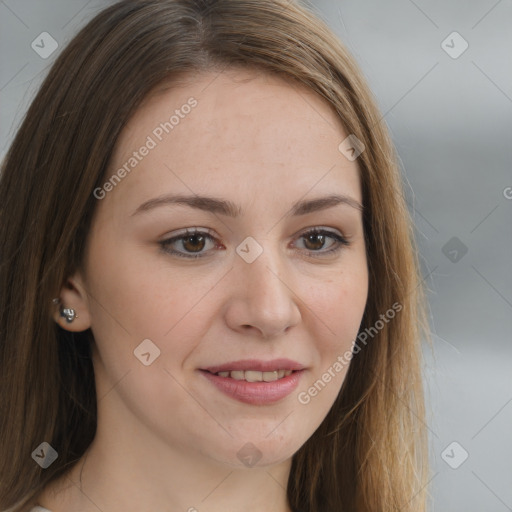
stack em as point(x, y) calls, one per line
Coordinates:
point(256, 451)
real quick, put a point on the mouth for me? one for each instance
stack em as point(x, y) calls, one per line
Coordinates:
point(255, 382)
point(254, 375)
point(256, 366)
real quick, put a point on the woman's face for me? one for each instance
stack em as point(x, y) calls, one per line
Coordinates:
point(263, 289)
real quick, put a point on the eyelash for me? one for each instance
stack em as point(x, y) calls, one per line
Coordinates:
point(341, 242)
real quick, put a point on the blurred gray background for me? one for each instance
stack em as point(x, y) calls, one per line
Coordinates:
point(442, 76)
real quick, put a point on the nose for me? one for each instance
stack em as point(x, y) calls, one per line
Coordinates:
point(263, 297)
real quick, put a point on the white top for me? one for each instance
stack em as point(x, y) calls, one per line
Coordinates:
point(39, 509)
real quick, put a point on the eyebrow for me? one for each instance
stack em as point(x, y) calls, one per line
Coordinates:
point(230, 209)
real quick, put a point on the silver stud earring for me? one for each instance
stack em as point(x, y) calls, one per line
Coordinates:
point(68, 313)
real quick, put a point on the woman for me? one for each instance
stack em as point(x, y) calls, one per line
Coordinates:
point(209, 288)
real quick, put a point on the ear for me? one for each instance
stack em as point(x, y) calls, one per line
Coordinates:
point(73, 295)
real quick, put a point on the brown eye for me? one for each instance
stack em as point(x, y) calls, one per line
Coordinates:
point(190, 244)
point(194, 243)
point(315, 240)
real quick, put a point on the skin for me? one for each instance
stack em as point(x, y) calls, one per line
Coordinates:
point(167, 439)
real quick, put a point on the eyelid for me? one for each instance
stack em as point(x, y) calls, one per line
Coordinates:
point(190, 231)
point(322, 229)
point(180, 235)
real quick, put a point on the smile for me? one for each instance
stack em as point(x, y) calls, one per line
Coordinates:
point(254, 387)
point(254, 375)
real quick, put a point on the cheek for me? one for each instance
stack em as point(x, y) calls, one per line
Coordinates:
point(348, 307)
point(338, 304)
point(135, 297)
point(136, 292)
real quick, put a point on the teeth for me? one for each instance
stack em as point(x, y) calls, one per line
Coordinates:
point(255, 376)
point(251, 376)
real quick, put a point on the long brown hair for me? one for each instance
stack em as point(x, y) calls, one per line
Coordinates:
point(369, 453)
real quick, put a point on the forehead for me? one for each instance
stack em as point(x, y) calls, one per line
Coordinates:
point(239, 131)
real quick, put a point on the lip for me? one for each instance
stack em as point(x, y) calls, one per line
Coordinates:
point(255, 393)
point(256, 365)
